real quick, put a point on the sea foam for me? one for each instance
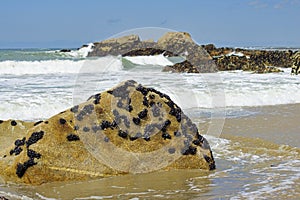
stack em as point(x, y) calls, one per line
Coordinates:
point(159, 60)
point(58, 66)
point(81, 52)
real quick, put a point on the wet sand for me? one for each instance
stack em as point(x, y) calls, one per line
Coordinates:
point(279, 124)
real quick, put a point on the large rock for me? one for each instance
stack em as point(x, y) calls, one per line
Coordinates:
point(171, 44)
point(128, 129)
point(181, 43)
point(115, 46)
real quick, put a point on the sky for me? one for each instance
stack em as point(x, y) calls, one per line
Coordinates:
point(72, 23)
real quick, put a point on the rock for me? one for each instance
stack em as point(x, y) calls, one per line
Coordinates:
point(170, 44)
point(84, 46)
point(127, 129)
point(272, 58)
point(213, 51)
point(169, 69)
point(260, 61)
point(65, 50)
point(115, 46)
point(181, 43)
point(296, 64)
point(149, 51)
point(198, 58)
point(226, 63)
point(13, 129)
point(184, 66)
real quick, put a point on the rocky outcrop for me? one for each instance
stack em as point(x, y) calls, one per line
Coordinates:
point(127, 129)
point(260, 61)
point(149, 51)
point(296, 64)
point(182, 44)
point(233, 62)
point(170, 44)
point(186, 67)
point(115, 46)
point(199, 59)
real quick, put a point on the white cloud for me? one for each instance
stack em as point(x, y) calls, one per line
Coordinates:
point(276, 4)
point(281, 4)
point(284, 3)
point(258, 4)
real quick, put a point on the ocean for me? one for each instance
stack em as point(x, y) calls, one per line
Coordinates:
point(250, 120)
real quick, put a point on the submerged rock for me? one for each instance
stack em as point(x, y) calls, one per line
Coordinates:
point(184, 66)
point(127, 129)
point(65, 50)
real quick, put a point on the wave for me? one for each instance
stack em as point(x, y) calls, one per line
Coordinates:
point(39, 67)
point(81, 52)
point(36, 109)
point(159, 60)
point(108, 63)
point(66, 66)
point(45, 54)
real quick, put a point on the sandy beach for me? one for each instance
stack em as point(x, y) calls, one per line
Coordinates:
point(278, 124)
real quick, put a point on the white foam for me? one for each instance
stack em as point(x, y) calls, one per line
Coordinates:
point(44, 198)
point(34, 108)
point(82, 52)
point(247, 89)
point(59, 66)
point(40, 67)
point(159, 60)
point(14, 196)
point(189, 91)
point(281, 180)
point(234, 53)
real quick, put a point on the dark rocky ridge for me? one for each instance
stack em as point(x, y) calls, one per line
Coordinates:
point(149, 51)
point(260, 61)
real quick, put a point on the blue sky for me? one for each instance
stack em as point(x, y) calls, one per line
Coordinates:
point(71, 23)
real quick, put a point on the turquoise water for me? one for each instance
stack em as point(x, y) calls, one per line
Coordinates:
point(32, 54)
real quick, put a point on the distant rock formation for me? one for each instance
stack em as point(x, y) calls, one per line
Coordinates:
point(199, 59)
point(259, 61)
point(127, 129)
point(170, 44)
